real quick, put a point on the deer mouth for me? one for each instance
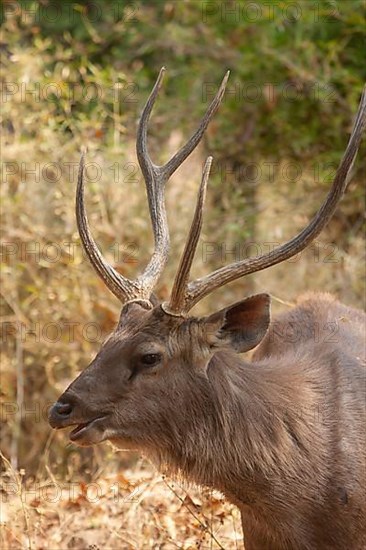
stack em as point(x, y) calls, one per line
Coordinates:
point(88, 433)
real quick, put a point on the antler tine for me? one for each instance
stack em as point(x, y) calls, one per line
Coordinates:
point(148, 169)
point(202, 287)
point(156, 177)
point(176, 305)
point(154, 183)
point(122, 288)
point(170, 167)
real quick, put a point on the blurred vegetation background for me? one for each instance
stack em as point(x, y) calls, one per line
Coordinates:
point(77, 74)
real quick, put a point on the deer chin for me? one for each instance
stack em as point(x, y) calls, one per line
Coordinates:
point(89, 433)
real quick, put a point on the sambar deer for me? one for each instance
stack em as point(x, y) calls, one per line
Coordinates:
point(283, 435)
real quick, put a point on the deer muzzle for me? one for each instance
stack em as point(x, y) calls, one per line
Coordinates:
point(89, 428)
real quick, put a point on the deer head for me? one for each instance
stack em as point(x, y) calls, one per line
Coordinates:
point(149, 386)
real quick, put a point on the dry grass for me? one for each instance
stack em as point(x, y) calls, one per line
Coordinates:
point(131, 510)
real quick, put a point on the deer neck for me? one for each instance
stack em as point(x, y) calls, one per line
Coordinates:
point(239, 432)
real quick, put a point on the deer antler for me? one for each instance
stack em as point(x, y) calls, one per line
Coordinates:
point(185, 296)
point(177, 300)
point(155, 179)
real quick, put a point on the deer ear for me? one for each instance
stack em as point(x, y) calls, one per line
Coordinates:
point(240, 326)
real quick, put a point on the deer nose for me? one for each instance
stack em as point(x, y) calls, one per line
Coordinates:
point(63, 409)
point(59, 414)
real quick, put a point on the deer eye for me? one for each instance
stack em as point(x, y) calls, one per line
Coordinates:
point(151, 359)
